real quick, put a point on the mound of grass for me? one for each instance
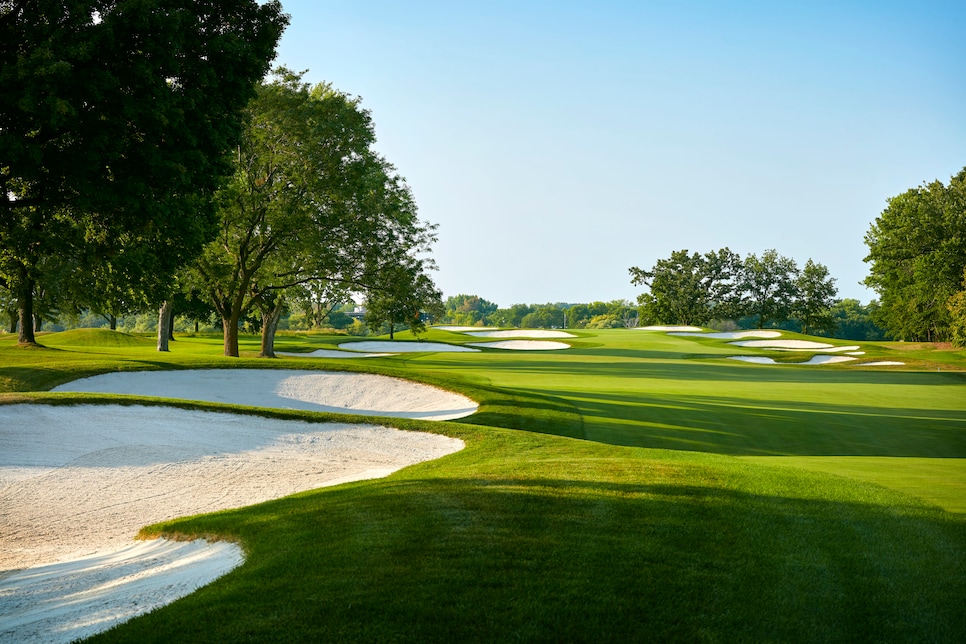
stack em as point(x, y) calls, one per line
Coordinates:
point(101, 338)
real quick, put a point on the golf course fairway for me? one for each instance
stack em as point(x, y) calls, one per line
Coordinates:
point(635, 486)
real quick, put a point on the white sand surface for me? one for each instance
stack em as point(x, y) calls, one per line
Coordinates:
point(80, 481)
point(356, 393)
point(814, 360)
point(522, 345)
point(521, 333)
point(669, 328)
point(783, 344)
point(855, 353)
point(75, 599)
point(332, 353)
point(731, 335)
point(845, 349)
point(882, 363)
point(465, 328)
point(403, 347)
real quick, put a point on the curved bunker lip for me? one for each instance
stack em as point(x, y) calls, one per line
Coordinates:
point(79, 481)
point(337, 392)
point(521, 333)
point(522, 345)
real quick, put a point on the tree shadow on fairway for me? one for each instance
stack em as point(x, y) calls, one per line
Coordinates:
point(699, 370)
point(547, 559)
point(741, 427)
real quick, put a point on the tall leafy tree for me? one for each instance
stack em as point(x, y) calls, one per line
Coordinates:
point(690, 288)
point(815, 298)
point(917, 254)
point(771, 286)
point(309, 203)
point(114, 117)
point(403, 295)
point(957, 311)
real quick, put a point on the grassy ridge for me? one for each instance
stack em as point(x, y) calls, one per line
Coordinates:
point(805, 507)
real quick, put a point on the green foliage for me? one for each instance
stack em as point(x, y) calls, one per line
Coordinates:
point(511, 316)
point(468, 310)
point(815, 297)
point(689, 288)
point(403, 294)
point(957, 314)
point(771, 285)
point(310, 213)
point(118, 126)
point(917, 255)
point(854, 321)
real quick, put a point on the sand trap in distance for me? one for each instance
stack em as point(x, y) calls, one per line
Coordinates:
point(814, 360)
point(465, 328)
point(882, 363)
point(404, 347)
point(355, 393)
point(669, 328)
point(332, 353)
point(730, 335)
point(521, 333)
point(522, 345)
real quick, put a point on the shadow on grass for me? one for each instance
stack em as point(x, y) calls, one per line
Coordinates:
point(739, 427)
point(691, 369)
point(548, 559)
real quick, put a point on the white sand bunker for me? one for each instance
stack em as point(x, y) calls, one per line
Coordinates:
point(814, 360)
point(459, 329)
point(660, 327)
point(65, 601)
point(521, 333)
point(882, 363)
point(332, 353)
point(731, 335)
point(403, 347)
point(356, 393)
point(80, 481)
point(522, 345)
point(793, 345)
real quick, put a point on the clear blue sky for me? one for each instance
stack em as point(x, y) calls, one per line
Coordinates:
point(558, 143)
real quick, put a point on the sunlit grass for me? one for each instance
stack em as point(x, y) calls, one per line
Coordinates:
point(684, 496)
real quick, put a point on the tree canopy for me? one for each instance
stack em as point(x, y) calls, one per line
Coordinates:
point(115, 117)
point(694, 289)
point(309, 206)
point(689, 288)
point(917, 255)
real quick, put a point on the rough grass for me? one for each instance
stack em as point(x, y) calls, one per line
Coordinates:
point(794, 503)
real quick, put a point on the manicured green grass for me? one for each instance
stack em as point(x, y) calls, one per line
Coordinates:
point(659, 492)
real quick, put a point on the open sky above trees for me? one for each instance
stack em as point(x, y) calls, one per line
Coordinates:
point(556, 144)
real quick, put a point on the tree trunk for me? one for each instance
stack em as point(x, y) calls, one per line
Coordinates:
point(38, 323)
point(13, 321)
point(112, 320)
point(25, 309)
point(231, 337)
point(392, 328)
point(164, 325)
point(270, 317)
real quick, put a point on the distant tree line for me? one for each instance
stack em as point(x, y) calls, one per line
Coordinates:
point(694, 289)
point(151, 169)
point(472, 310)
